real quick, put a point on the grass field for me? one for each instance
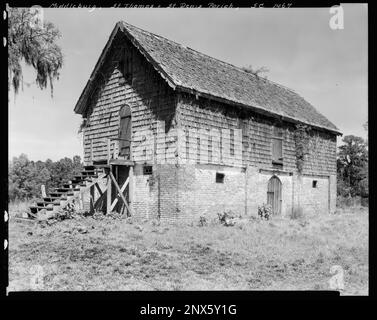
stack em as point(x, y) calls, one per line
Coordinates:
point(114, 253)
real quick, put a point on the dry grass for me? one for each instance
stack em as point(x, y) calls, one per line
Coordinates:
point(120, 254)
point(18, 206)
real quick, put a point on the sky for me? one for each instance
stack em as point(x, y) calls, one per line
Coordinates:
point(329, 68)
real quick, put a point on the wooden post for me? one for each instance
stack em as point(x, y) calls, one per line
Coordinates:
point(108, 203)
point(43, 190)
point(98, 189)
point(246, 187)
point(131, 186)
point(108, 151)
point(81, 201)
point(131, 177)
point(91, 207)
point(116, 149)
point(91, 151)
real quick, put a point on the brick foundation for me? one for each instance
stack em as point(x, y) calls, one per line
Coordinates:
point(186, 192)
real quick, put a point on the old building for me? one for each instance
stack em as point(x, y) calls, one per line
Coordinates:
point(194, 135)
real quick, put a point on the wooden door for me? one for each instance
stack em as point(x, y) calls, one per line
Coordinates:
point(274, 194)
point(121, 174)
point(125, 131)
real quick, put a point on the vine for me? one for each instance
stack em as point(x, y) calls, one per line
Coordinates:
point(83, 125)
point(301, 137)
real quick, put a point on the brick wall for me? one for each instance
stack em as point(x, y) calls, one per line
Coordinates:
point(156, 195)
point(186, 192)
point(145, 195)
point(314, 200)
point(200, 195)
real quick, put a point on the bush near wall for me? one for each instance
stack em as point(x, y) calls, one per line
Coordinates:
point(349, 202)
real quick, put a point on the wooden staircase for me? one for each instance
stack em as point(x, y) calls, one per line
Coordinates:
point(66, 193)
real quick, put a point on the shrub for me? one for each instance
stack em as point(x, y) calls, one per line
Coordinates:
point(365, 202)
point(227, 218)
point(265, 211)
point(202, 221)
point(66, 212)
point(349, 202)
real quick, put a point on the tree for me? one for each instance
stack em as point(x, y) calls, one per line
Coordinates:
point(26, 177)
point(352, 166)
point(34, 42)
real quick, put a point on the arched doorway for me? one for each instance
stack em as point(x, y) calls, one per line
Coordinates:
point(125, 131)
point(274, 194)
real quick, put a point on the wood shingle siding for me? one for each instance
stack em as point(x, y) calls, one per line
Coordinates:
point(151, 101)
point(256, 140)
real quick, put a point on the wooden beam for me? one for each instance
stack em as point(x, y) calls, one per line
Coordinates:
point(99, 189)
point(101, 176)
point(91, 207)
point(122, 190)
point(108, 202)
point(121, 162)
point(108, 151)
point(91, 150)
point(33, 215)
point(43, 190)
point(131, 186)
point(81, 201)
point(26, 219)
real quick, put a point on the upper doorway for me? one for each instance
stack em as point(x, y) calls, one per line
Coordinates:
point(125, 132)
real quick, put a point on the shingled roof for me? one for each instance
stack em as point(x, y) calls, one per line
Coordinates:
point(190, 71)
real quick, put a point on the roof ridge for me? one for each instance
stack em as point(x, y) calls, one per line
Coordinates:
point(201, 53)
point(154, 34)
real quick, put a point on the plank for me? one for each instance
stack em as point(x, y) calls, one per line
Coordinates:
point(99, 189)
point(108, 199)
point(120, 192)
point(43, 190)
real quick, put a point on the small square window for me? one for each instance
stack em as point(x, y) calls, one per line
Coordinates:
point(147, 170)
point(314, 184)
point(220, 177)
